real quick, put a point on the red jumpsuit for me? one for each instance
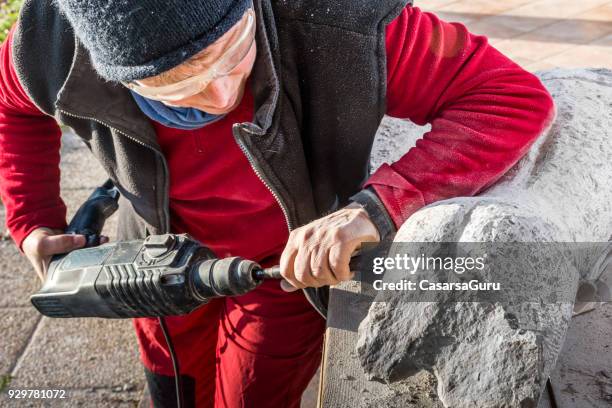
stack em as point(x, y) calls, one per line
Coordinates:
point(261, 349)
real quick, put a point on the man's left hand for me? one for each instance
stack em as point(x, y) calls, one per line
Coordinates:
point(318, 254)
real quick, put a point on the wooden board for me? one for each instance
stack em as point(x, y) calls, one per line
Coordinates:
point(343, 381)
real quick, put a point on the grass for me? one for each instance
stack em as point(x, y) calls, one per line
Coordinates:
point(5, 380)
point(9, 10)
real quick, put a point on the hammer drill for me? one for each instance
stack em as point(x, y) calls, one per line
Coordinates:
point(162, 275)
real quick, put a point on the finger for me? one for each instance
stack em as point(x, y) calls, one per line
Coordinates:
point(287, 287)
point(103, 239)
point(303, 274)
point(339, 259)
point(32, 240)
point(321, 271)
point(45, 261)
point(59, 244)
point(41, 270)
point(286, 265)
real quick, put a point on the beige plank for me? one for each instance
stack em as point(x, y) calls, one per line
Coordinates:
point(483, 8)
point(575, 31)
point(539, 66)
point(604, 42)
point(595, 56)
point(557, 9)
point(465, 19)
point(528, 52)
point(602, 13)
point(539, 14)
point(433, 5)
point(509, 25)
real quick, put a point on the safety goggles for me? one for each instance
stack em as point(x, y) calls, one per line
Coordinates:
point(196, 84)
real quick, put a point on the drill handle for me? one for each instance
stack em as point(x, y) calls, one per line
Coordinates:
point(93, 213)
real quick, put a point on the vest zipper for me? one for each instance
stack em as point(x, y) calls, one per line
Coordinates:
point(236, 131)
point(259, 172)
point(165, 215)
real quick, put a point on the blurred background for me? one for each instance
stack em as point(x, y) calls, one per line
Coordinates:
point(96, 361)
point(540, 34)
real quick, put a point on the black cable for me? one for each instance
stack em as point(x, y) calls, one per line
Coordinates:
point(178, 383)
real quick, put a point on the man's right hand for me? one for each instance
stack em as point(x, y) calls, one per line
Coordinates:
point(42, 243)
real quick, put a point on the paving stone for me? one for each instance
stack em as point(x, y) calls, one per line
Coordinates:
point(539, 66)
point(603, 13)
point(18, 280)
point(17, 327)
point(80, 170)
point(482, 7)
point(605, 41)
point(435, 4)
point(592, 55)
point(542, 34)
point(81, 353)
point(521, 50)
point(509, 25)
point(553, 8)
point(554, 39)
point(570, 31)
point(463, 18)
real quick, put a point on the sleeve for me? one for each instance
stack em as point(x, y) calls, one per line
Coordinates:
point(485, 112)
point(30, 144)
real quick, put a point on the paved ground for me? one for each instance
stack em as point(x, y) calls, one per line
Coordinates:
point(96, 361)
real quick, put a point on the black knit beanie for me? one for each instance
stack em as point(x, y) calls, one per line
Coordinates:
point(135, 39)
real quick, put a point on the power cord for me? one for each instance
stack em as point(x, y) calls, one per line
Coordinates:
point(178, 383)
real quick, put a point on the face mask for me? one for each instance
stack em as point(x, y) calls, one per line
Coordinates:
point(174, 117)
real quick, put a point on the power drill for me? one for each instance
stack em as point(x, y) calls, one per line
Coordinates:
point(162, 275)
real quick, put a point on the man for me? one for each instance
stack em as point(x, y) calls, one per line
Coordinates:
point(249, 126)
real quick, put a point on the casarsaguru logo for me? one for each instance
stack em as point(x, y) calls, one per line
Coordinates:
point(412, 264)
point(426, 285)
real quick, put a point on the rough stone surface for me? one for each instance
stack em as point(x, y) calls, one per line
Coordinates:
point(485, 355)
